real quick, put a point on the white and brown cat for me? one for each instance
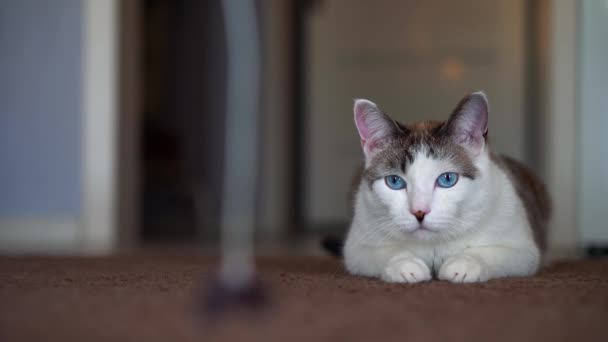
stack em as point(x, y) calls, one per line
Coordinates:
point(435, 201)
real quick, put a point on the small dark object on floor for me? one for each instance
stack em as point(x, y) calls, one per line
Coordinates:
point(597, 251)
point(220, 299)
point(333, 245)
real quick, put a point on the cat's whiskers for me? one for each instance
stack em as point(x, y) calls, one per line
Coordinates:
point(377, 229)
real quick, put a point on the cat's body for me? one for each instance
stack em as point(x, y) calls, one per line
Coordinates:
point(434, 200)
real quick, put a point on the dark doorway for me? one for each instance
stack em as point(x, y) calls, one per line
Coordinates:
point(183, 62)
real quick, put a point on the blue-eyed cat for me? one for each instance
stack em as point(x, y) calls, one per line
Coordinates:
point(434, 200)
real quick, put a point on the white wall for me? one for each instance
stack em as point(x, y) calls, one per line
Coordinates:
point(593, 147)
point(561, 120)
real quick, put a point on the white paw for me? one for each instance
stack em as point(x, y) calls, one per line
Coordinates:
point(406, 270)
point(462, 269)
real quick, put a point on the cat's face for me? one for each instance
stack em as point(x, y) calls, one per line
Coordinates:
point(422, 179)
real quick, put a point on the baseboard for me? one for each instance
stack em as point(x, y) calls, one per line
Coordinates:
point(39, 235)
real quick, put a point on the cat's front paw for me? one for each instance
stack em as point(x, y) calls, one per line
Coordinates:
point(462, 269)
point(406, 270)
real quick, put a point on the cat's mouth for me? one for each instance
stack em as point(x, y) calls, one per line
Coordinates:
point(419, 227)
point(423, 232)
point(423, 227)
point(418, 230)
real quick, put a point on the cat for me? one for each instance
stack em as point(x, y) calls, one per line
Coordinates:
point(433, 200)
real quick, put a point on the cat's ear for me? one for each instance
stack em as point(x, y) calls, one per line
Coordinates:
point(468, 124)
point(373, 125)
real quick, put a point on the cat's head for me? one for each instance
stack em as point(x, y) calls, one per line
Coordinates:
point(423, 179)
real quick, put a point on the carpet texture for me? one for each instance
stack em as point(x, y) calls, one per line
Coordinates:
point(158, 298)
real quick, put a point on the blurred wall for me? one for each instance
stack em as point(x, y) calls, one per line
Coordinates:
point(594, 121)
point(59, 144)
point(274, 182)
point(40, 108)
point(416, 59)
point(560, 119)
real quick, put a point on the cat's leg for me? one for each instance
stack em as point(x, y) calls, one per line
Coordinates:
point(476, 264)
point(391, 264)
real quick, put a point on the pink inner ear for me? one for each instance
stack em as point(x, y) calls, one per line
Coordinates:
point(469, 122)
point(373, 125)
point(364, 132)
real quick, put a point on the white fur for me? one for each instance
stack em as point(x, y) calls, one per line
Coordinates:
point(477, 230)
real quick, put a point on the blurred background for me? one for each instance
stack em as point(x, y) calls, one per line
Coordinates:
point(112, 113)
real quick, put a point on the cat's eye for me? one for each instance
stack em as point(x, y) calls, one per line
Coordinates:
point(447, 180)
point(394, 182)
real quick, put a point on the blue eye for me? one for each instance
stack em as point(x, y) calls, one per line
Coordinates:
point(394, 182)
point(447, 180)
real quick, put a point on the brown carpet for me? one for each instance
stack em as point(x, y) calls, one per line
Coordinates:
point(155, 298)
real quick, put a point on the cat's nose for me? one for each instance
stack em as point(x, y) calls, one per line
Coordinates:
point(419, 215)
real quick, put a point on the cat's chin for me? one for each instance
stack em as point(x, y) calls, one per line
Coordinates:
point(423, 233)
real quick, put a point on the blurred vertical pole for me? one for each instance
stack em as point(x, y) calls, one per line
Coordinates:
point(100, 114)
point(241, 147)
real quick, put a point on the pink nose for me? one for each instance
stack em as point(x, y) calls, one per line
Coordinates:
point(419, 214)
